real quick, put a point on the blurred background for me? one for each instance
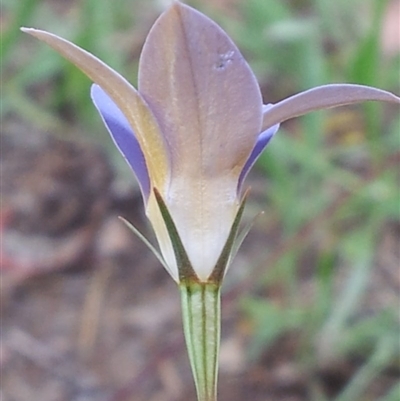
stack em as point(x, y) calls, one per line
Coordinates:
point(311, 303)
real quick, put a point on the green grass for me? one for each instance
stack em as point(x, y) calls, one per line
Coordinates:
point(331, 179)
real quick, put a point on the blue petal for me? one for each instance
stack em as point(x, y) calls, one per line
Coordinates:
point(262, 141)
point(123, 136)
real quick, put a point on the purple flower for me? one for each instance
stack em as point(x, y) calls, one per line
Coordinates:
point(193, 128)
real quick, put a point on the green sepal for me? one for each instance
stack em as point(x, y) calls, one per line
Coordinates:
point(145, 241)
point(225, 258)
point(243, 234)
point(185, 269)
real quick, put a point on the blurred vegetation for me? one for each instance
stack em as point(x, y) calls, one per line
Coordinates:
point(331, 177)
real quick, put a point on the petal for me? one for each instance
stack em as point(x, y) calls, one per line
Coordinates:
point(202, 91)
point(123, 136)
point(262, 141)
point(323, 97)
point(125, 96)
point(209, 106)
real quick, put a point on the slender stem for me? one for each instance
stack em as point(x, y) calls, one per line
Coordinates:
point(201, 311)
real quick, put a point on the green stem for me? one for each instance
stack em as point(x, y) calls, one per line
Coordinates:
point(201, 311)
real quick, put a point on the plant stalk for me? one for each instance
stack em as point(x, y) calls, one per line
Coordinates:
point(201, 312)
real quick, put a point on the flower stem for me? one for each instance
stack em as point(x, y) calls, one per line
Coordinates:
point(201, 311)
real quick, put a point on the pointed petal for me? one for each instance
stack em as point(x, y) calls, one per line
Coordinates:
point(202, 91)
point(262, 141)
point(323, 97)
point(124, 95)
point(123, 136)
point(209, 107)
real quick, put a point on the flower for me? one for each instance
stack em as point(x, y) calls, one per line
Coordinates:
point(191, 132)
point(193, 129)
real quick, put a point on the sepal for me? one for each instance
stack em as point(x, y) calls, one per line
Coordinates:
point(186, 271)
point(145, 241)
point(229, 249)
